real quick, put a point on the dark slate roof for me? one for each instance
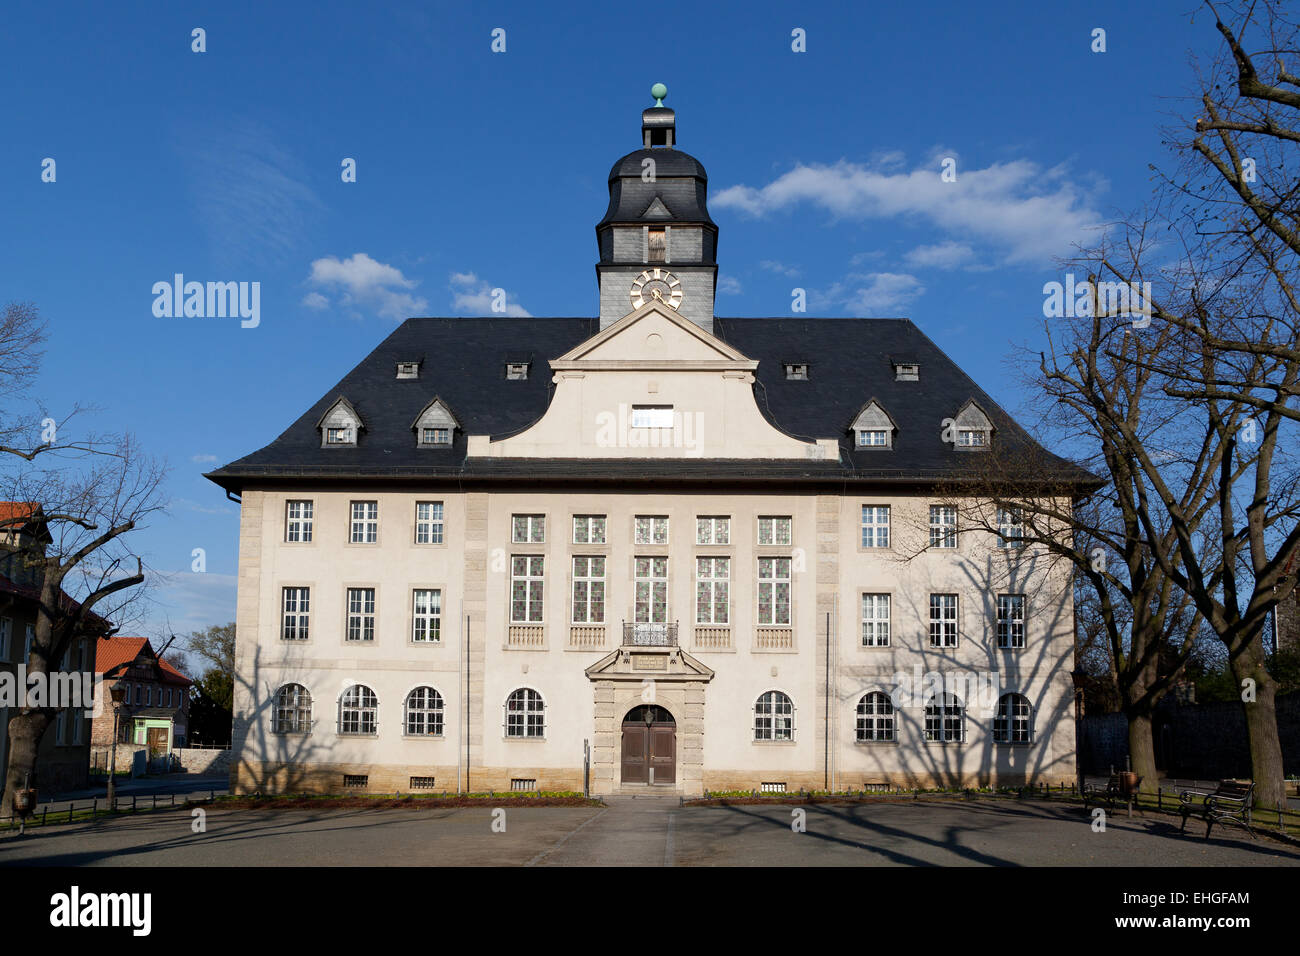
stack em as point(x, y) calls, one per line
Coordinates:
point(849, 363)
point(680, 184)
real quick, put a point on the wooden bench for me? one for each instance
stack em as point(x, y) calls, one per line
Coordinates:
point(1230, 802)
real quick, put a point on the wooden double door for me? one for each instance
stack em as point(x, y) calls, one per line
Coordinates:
point(649, 746)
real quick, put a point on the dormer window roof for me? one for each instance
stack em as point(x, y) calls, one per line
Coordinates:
point(873, 428)
point(435, 426)
point(517, 365)
point(796, 371)
point(408, 370)
point(340, 426)
point(972, 429)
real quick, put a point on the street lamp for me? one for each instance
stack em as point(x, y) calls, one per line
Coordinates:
point(118, 693)
point(1079, 677)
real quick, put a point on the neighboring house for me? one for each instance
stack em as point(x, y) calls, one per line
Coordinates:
point(63, 757)
point(685, 541)
point(155, 711)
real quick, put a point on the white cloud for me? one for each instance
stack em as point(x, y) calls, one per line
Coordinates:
point(203, 459)
point(1027, 212)
point(474, 296)
point(868, 294)
point(780, 268)
point(185, 601)
point(729, 285)
point(316, 301)
point(941, 255)
point(365, 283)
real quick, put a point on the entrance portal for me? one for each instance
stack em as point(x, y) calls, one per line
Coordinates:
point(649, 746)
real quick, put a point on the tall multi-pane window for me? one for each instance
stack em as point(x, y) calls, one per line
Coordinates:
point(713, 529)
point(650, 529)
point(1011, 620)
point(875, 721)
point(945, 719)
point(651, 580)
point(773, 591)
point(296, 606)
point(424, 709)
point(298, 520)
point(1013, 723)
point(875, 620)
point(292, 710)
point(527, 584)
point(712, 590)
point(525, 714)
point(773, 529)
point(528, 529)
point(1011, 529)
point(358, 711)
point(943, 526)
point(773, 717)
point(875, 526)
point(361, 614)
point(6, 637)
point(588, 529)
point(426, 615)
point(943, 620)
point(365, 522)
point(428, 522)
point(588, 589)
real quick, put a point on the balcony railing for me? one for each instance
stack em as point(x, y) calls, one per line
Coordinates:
point(641, 634)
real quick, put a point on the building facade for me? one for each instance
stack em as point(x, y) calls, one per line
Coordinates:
point(655, 550)
point(154, 713)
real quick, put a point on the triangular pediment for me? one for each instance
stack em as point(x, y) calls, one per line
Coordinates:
point(653, 336)
point(640, 662)
point(656, 210)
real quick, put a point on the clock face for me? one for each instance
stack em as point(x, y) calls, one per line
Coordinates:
point(656, 285)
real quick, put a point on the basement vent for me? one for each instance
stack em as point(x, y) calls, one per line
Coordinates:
point(772, 787)
point(356, 781)
point(422, 783)
point(523, 783)
point(870, 787)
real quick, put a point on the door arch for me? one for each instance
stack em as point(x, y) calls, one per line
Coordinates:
point(649, 746)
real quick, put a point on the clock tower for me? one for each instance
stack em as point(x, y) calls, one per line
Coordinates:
point(657, 242)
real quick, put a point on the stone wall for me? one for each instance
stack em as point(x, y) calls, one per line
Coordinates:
point(201, 761)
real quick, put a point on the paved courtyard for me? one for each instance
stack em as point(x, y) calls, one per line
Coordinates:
point(645, 832)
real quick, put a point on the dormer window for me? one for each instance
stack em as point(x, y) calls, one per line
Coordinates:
point(972, 437)
point(435, 426)
point(873, 428)
point(516, 371)
point(973, 431)
point(408, 370)
point(796, 371)
point(340, 425)
point(906, 372)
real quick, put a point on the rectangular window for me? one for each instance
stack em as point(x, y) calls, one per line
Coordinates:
point(651, 578)
point(875, 620)
point(297, 522)
point(796, 372)
point(435, 436)
point(426, 615)
point(139, 695)
point(528, 529)
point(712, 590)
point(972, 437)
point(774, 591)
point(588, 529)
point(365, 522)
point(60, 728)
point(875, 526)
point(652, 416)
point(516, 371)
point(1011, 529)
point(774, 530)
point(148, 696)
point(527, 580)
point(943, 526)
point(943, 620)
point(656, 245)
point(713, 529)
point(338, 436)
point(873, 438)
point(588, 589)
point(1011, 620)
point(651, 529)
point(296, 607)
point(6, 637)
point(361, 614)
point(29, 637)
point(428, 522)
point(78, 727)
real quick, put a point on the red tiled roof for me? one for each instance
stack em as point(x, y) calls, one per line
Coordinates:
point(173, 672)
point(112, 651)
point(69, 602)
point(18, 509)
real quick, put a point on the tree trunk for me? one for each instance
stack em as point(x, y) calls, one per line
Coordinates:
point(25, 733)
point(1261, 725)
point(1142, 751)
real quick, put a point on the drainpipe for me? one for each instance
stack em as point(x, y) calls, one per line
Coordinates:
point(826, 778)
point(467, 703)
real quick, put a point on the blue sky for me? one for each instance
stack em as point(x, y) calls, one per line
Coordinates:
point(478, 170)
